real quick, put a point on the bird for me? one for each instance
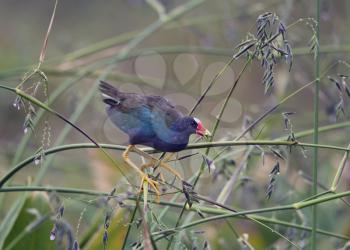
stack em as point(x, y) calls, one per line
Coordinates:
point(149, 120)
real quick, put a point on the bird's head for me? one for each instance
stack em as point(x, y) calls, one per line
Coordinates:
point(194, 126)
point(200, 129)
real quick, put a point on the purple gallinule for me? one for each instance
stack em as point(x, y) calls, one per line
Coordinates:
point(152, 121)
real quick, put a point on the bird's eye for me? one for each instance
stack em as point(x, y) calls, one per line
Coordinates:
point(194, 124)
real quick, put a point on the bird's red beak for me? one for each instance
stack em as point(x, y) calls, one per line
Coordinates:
point(201, 130)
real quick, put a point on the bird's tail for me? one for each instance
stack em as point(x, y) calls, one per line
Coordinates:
point(110, 93)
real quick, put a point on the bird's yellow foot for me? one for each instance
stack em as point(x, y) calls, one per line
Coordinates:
point(154, 162)
point(154, 184)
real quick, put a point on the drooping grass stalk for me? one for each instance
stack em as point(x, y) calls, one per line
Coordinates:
point(294, 206)
point(204, 209)
point(61, 88)
point(298, 205)
point(11, 216)
point(257, 218)
point(53, 150)
point(56, 93)
point(316, 120)
point(264, 143)
point(207, 209)
point(178, 49)
point(50, 110)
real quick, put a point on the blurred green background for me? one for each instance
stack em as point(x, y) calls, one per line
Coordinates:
point(177, 61)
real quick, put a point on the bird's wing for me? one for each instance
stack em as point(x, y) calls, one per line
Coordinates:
point(165, 109)
point(150, 108)
point(143, 107)
point(123, 102)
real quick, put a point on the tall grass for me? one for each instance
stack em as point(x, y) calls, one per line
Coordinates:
point(316, 121)
point(178, 218)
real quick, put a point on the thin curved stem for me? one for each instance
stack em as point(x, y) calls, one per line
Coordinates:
point(221, 213)
point(50, 110)
point(30, 159)
point(294, 206)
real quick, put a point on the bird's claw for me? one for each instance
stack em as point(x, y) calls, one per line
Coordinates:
point(154, 184)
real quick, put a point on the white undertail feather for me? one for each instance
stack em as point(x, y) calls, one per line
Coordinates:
point(107, 96)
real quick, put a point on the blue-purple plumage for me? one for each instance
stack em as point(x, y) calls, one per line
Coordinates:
point(149, 120)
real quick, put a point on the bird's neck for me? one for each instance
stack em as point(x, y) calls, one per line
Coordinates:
point(180, 132)
point(175, 134)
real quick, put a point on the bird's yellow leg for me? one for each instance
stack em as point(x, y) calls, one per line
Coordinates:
point(155, 161)
point(144, 176)
point(164, 164)
point(170, 169)
point(151, 164)
point(168, 157)
point(147, 165)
